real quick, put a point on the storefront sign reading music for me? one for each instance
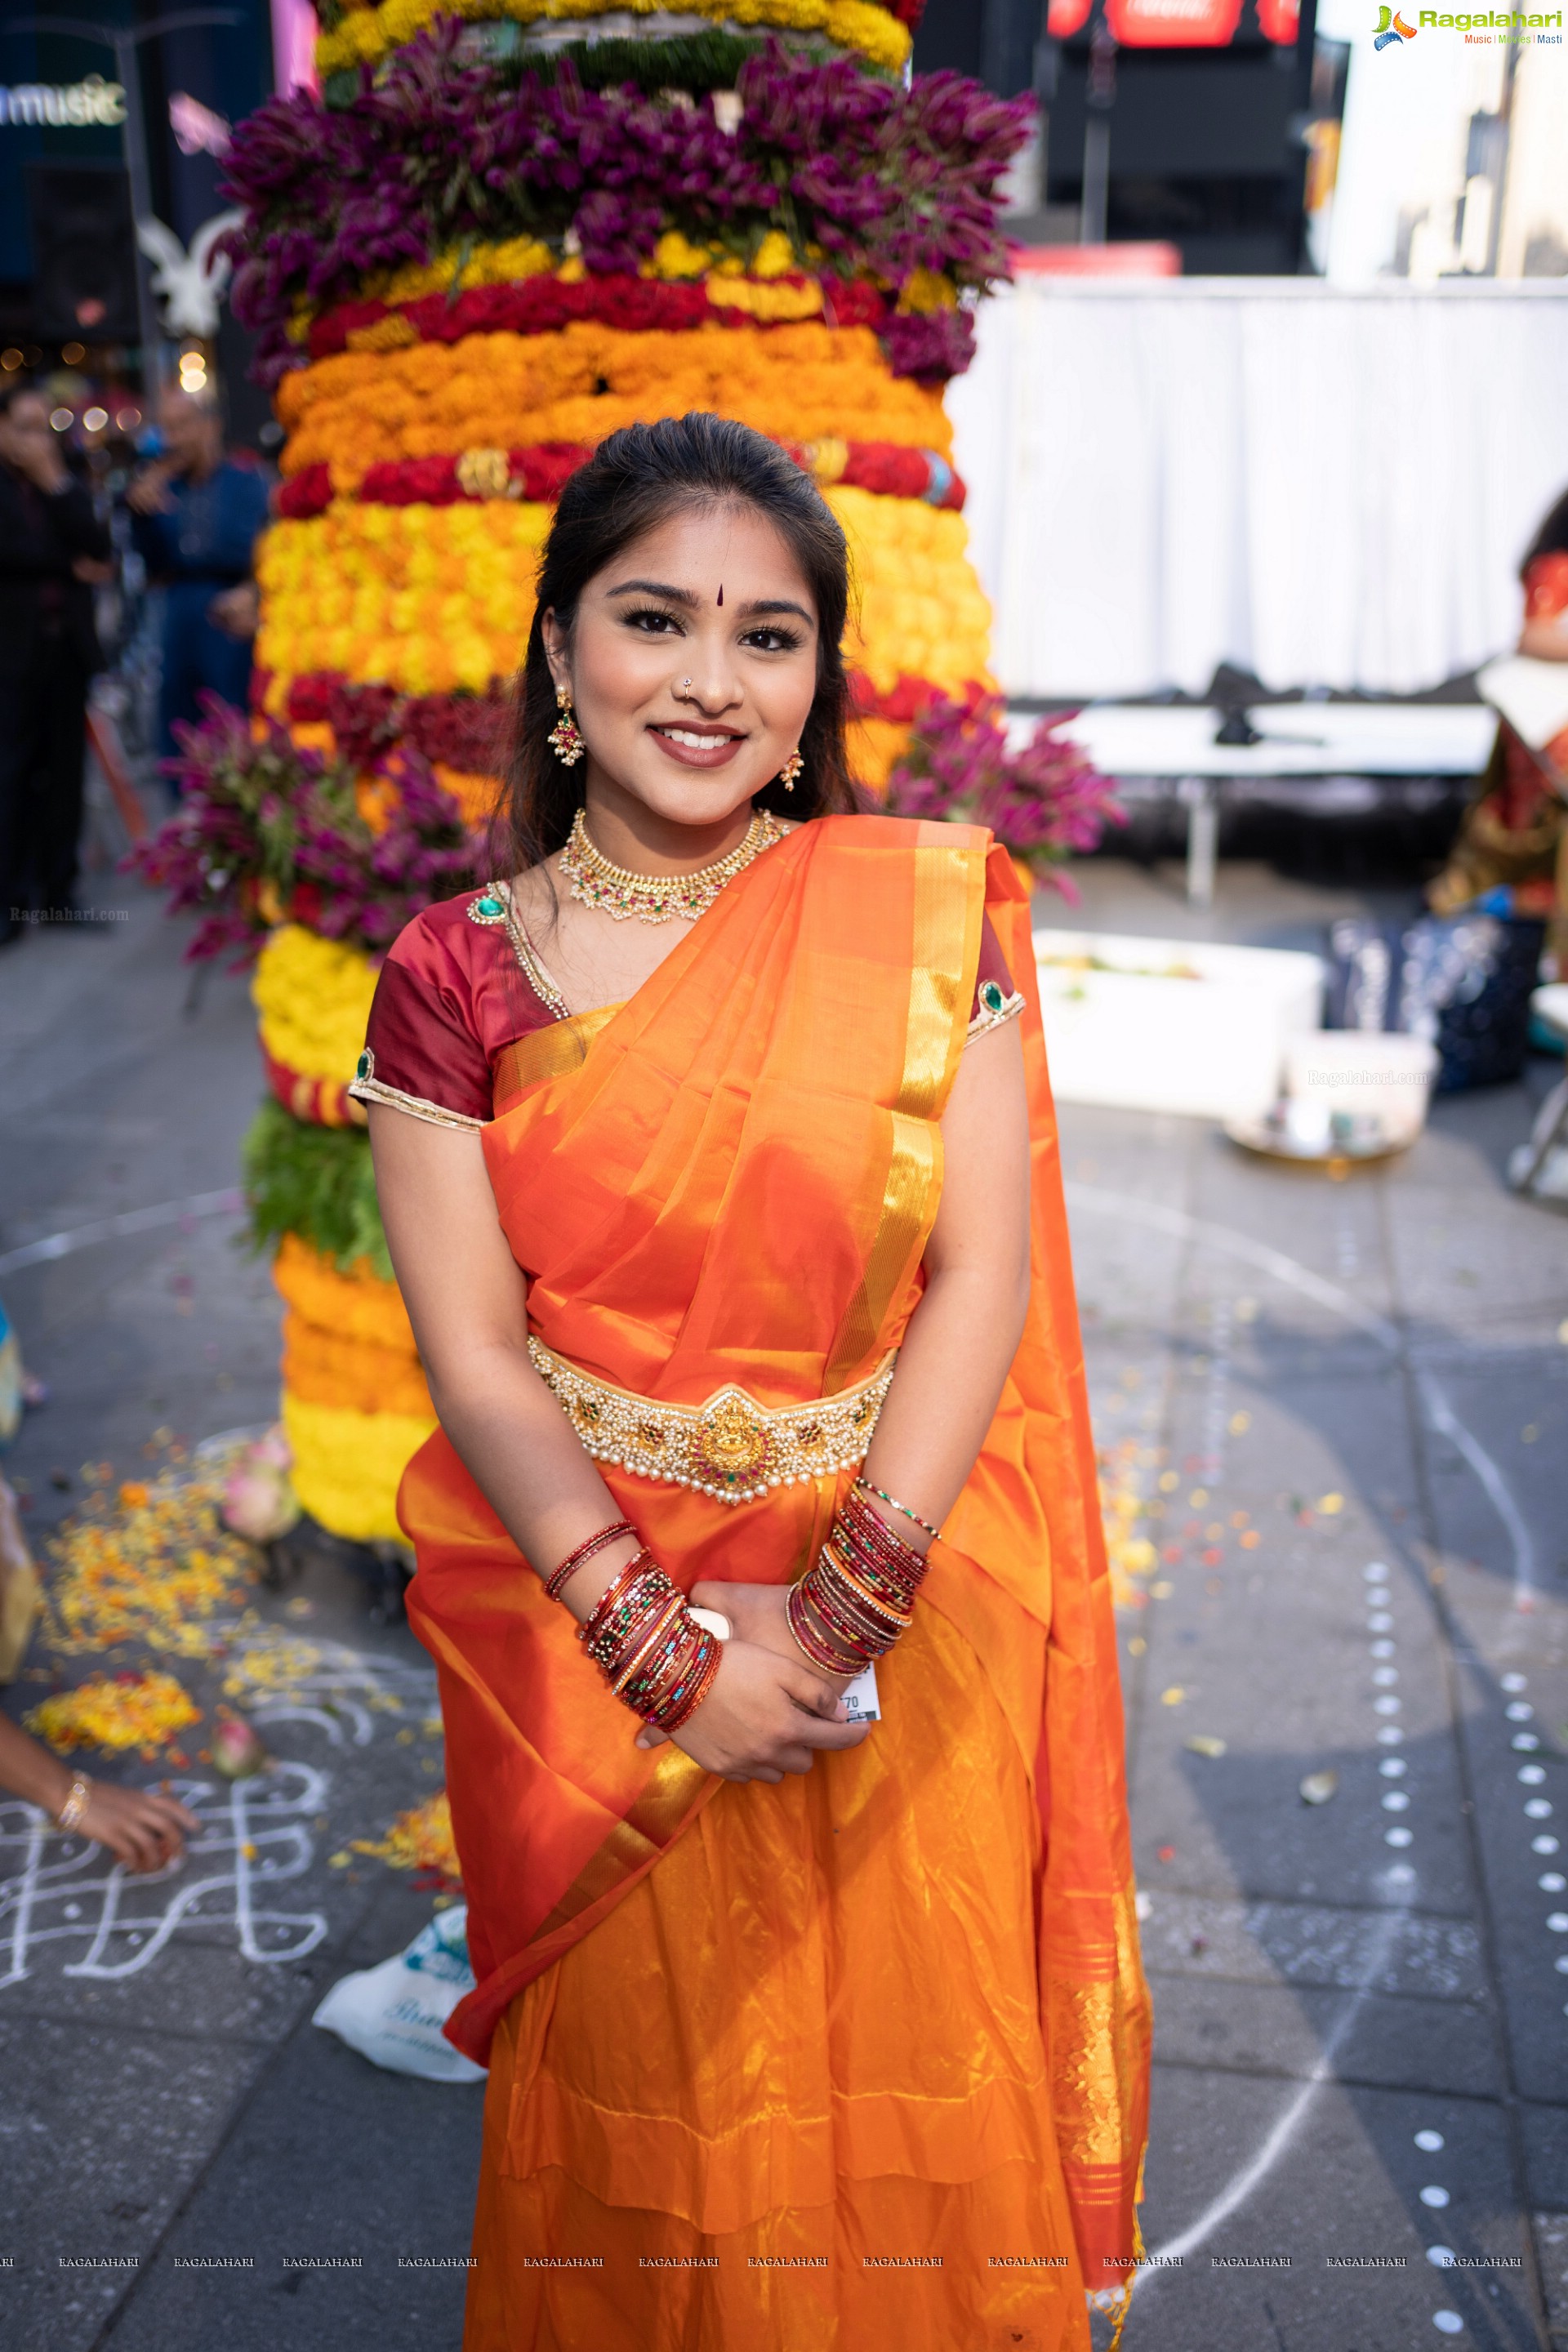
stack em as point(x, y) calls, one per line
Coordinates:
point(81, 106)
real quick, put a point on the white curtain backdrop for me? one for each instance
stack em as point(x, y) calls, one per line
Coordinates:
point(1328, 485)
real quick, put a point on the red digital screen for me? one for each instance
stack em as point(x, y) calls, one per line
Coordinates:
point(1175, 24)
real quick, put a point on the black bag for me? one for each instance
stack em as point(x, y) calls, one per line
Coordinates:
point(1462, 981)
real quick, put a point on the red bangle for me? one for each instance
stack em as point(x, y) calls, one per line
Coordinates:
point(893, 1504)
point(585, 1551)
point(655, 1657)
point(811, 1645)
point(875, 1536)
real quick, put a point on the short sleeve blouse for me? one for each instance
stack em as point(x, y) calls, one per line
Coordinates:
point(461, 984)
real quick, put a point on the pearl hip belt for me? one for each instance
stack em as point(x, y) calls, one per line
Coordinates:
point(732, 1447)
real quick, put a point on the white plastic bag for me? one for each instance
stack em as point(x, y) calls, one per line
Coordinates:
point(393, 2014)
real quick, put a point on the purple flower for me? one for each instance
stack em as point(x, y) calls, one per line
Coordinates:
point(1045, 803)
point(266, 831)
point(931, 346)
point(883, 182)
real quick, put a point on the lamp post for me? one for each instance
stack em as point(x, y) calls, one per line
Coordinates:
point(1099, 98)
point(125, 40)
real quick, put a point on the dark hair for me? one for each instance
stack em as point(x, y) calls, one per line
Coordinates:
point(636, 479)
point(1551, 538)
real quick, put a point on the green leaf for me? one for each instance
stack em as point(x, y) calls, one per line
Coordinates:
point(316, 1181)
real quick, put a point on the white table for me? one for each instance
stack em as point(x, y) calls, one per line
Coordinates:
point(1176, 742)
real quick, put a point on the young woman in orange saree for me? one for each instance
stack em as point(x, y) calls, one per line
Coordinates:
point(733, 1241)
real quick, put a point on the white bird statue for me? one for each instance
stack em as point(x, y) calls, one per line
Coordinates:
point(189, 285)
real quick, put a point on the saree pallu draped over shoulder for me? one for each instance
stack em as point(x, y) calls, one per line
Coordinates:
point(729, 1180)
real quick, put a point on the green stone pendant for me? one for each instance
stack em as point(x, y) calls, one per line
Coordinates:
point(486, 908)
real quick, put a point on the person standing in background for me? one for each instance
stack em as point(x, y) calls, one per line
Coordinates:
point(1514, 836)
point(53, 548)
point(196, 513)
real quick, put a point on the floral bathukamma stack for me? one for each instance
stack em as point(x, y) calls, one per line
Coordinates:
point(306, 864)
point(486, 245)
point(490, 244)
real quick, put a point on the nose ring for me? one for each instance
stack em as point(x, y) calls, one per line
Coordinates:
point(685, 687)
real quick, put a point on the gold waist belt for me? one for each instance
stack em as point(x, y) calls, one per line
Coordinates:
point(732, 1447)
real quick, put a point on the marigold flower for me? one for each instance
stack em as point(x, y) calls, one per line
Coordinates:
point(116, 1711)
point(420, 1839)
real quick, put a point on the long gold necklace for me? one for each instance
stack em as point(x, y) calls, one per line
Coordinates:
point(656, 898)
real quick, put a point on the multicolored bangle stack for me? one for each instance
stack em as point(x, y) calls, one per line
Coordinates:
point(851, 1606)
point(653, 1654)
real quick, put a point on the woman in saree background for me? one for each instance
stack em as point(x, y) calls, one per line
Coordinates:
point(719, 1168)
point(1515, 833)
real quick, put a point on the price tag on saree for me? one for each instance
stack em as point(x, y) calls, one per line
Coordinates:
point(860, 1699)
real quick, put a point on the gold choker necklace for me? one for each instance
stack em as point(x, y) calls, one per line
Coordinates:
point(656, 898)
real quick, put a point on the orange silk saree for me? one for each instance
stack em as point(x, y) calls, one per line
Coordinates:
point(861, 2060)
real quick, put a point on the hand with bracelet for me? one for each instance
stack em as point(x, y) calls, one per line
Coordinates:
point(806, 1620)
point(748, 1707)
point(142, 1827)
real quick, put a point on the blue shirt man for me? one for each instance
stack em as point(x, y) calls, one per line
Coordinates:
point(196, 515)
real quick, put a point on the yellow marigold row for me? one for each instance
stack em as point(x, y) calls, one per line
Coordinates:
point(312, 998)
point(923, 612)
point(743, 285)
point(347, 1464)
point(433, 600)
point(805, 381)
point(366, 35)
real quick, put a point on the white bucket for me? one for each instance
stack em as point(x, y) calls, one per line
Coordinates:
point(1365, 1074)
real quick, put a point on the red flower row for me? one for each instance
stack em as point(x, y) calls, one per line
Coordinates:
point(469, 731)
point(319, 1102)
point(541, 473)
point(910, 699)
point(534, 306)
point(465, 731)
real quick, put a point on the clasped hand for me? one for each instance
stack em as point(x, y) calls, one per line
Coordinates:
point(768, 1710)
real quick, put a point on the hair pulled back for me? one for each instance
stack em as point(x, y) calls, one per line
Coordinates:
point(1551, 538)
point(636, 480)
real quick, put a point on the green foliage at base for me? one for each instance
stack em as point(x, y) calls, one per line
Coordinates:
point(694, 61)
point(316, 1181)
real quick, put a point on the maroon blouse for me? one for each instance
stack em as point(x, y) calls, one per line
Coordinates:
point(454, 993)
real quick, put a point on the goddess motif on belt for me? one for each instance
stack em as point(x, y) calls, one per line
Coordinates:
point(732, 1447)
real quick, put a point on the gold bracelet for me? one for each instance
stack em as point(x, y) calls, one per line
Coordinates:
point(73, 1812)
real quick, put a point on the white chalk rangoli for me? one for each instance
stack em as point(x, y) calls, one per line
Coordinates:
point(254, 1836)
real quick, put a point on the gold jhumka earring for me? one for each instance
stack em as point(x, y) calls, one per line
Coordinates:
point(792, 771)
point(564, 737)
